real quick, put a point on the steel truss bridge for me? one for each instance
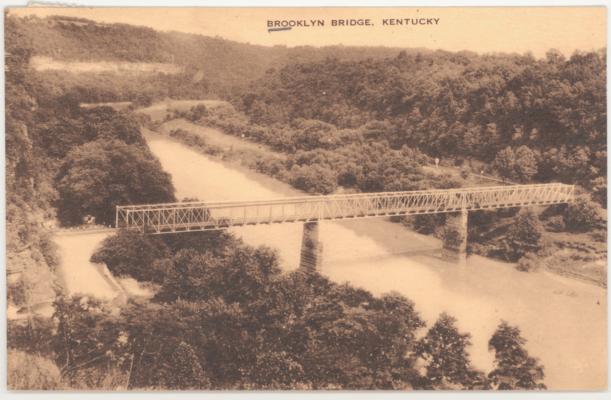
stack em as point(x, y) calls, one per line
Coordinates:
point(201, 215)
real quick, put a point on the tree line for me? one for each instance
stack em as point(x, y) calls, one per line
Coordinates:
point(527, 119)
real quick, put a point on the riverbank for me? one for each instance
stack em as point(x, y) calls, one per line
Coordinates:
point(216, 138)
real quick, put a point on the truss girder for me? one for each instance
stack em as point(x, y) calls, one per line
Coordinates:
point(198, 216)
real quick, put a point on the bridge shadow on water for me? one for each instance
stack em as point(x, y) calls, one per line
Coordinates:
point(430, 253)
point(393, 239)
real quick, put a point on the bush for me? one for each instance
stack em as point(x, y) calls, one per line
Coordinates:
point(452, 237)
point(556, 223)
point(16, 291)
point(32, 335)
point(507, 212)
point(446, 181)
point(270, 166)
point(599, 190)
point(478, 248)
point(524, 236)
point(197, 112)
point(426, 223)
point(583, 215)
point(528, 263)
point(313, 179)
point(31, 372)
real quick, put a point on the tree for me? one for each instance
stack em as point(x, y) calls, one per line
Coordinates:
point(276, 370)
point(313, 134)
point(97, 176)
point(427, 223)
point(526, 164)
point(444, 351)
point(349, 174)
point(86, 340)
point(599, 190)
point(184, 370)
point(520, 165)
point(60, 135)
point(107, 123)
point(313, 179)
point(134, 254)
point(57, 134)
point(513, 369)
point(238, 275)
point(583, 214)
point(524, 235)
point(151, 334)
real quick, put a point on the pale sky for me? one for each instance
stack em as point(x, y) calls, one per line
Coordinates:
point(479, 29)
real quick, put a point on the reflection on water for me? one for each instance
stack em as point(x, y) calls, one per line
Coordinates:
point(564, 320)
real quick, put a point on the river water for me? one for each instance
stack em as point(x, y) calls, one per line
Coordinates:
point(563, 320)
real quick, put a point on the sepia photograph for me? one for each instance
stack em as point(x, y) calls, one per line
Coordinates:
point(306, 199)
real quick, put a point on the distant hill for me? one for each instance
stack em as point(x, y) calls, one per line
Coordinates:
point(211, 65)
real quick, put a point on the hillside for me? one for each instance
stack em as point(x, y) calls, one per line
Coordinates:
point(210, 66)
point(526, 119)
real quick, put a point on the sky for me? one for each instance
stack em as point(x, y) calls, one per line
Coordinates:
point(479, 29)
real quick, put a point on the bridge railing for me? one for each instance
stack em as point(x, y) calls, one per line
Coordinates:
point(188, 216)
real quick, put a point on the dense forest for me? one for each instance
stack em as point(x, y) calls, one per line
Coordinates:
point(527, 119)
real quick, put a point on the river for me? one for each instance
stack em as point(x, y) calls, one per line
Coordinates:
point(563, 320)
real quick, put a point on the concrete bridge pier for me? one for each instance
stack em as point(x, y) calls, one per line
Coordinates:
point(311, 248)
point(455, 240)
point(463, 225)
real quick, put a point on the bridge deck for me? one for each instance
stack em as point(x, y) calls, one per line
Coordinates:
point(198, 216)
